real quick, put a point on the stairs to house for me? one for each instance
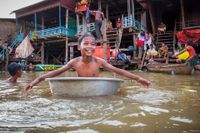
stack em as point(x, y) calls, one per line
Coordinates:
point(166, 38)
point(14, 44)
point(112, 38)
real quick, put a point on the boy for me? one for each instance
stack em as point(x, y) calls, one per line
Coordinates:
point(15, 71)
point(87, 65)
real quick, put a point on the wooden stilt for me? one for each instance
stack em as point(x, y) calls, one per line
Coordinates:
point(151, 17)
point(133, 9)
point(7, 58)
point(42, 19)
point(42, 53)
point(77, 22)
point(67, 39)
point(107, 11)
point(99, 4)
point(143, 58)
point(129, 7)
point(134, 48)
point(182, 13)
point(84, 24)
point(71, 51)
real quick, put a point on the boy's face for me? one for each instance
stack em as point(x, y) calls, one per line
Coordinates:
point(88, 46)
point(19, 73)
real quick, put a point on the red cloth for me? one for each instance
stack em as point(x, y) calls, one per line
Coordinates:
point(140, 43)
point(188, 35)
point(191, 50)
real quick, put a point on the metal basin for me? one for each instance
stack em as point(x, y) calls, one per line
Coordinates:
point(84, 86)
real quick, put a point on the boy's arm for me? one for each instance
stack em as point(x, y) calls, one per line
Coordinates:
point(127, 74)
point(49, 75)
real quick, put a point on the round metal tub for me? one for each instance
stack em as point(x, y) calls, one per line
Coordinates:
point(84, 86)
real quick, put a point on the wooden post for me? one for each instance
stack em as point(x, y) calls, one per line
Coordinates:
point(84, 24)
point(133, 9)
point(129, 7)
point(151, 17)
point(107, 11)
point(99, 4)
point(71, 52)
point(133, 17)
point(35, 19)
point(105, 43)
point(182, 13)
point(42, 53)
point(77, 23)
point(7, 58)
point(42, 19)
point(174, 37)
point(59, 13)
point(66, 41)
point(134, 48)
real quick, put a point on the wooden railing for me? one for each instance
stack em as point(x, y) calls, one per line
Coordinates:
point(130, 22)
point(14, 44)
point(195, 23)
point(52, 32)
point(127, 23)
point(90, 28)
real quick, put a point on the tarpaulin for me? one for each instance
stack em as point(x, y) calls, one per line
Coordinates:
point(188, 35)
point(25, 48)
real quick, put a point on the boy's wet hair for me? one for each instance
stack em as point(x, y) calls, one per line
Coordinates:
point(13, 68)
point(87, 34)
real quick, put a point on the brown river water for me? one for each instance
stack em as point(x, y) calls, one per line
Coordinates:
point(171, 105)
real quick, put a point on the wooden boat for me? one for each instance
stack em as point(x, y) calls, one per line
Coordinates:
point(197, 67)
point(84, 86)
point(170, 68)
point(46, 67)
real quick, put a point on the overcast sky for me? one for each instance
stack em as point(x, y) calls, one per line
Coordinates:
point(7, 6)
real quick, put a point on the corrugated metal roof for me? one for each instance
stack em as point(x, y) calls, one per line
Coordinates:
point(44, 5)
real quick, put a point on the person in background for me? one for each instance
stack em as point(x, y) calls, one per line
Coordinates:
point(109, 26)
point(31, 67)
point(99, 16)
point(151, 53)
point(163, 51)
point(161, 28)
point(118, 23)
point(87, 65)
point(192, 59)
point(15, 71)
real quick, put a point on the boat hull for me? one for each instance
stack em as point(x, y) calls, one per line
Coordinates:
point(170, 68)
point(84, 86)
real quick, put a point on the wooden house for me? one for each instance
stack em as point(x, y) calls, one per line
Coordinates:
point(178, 16)
point(51, 25)
point(7, 33)
point(54, 25)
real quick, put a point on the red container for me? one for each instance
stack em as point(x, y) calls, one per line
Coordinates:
point(99, 52)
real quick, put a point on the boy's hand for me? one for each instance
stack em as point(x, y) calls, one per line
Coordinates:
point(144, 82)
point(28, 87)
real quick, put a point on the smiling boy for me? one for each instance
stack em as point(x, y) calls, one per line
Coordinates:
point(88, 65)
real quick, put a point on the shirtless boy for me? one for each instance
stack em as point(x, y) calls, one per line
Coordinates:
point(88, 65)
point(15, 71)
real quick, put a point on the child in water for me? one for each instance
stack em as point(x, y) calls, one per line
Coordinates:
point(15, 71)
point(88, 65)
